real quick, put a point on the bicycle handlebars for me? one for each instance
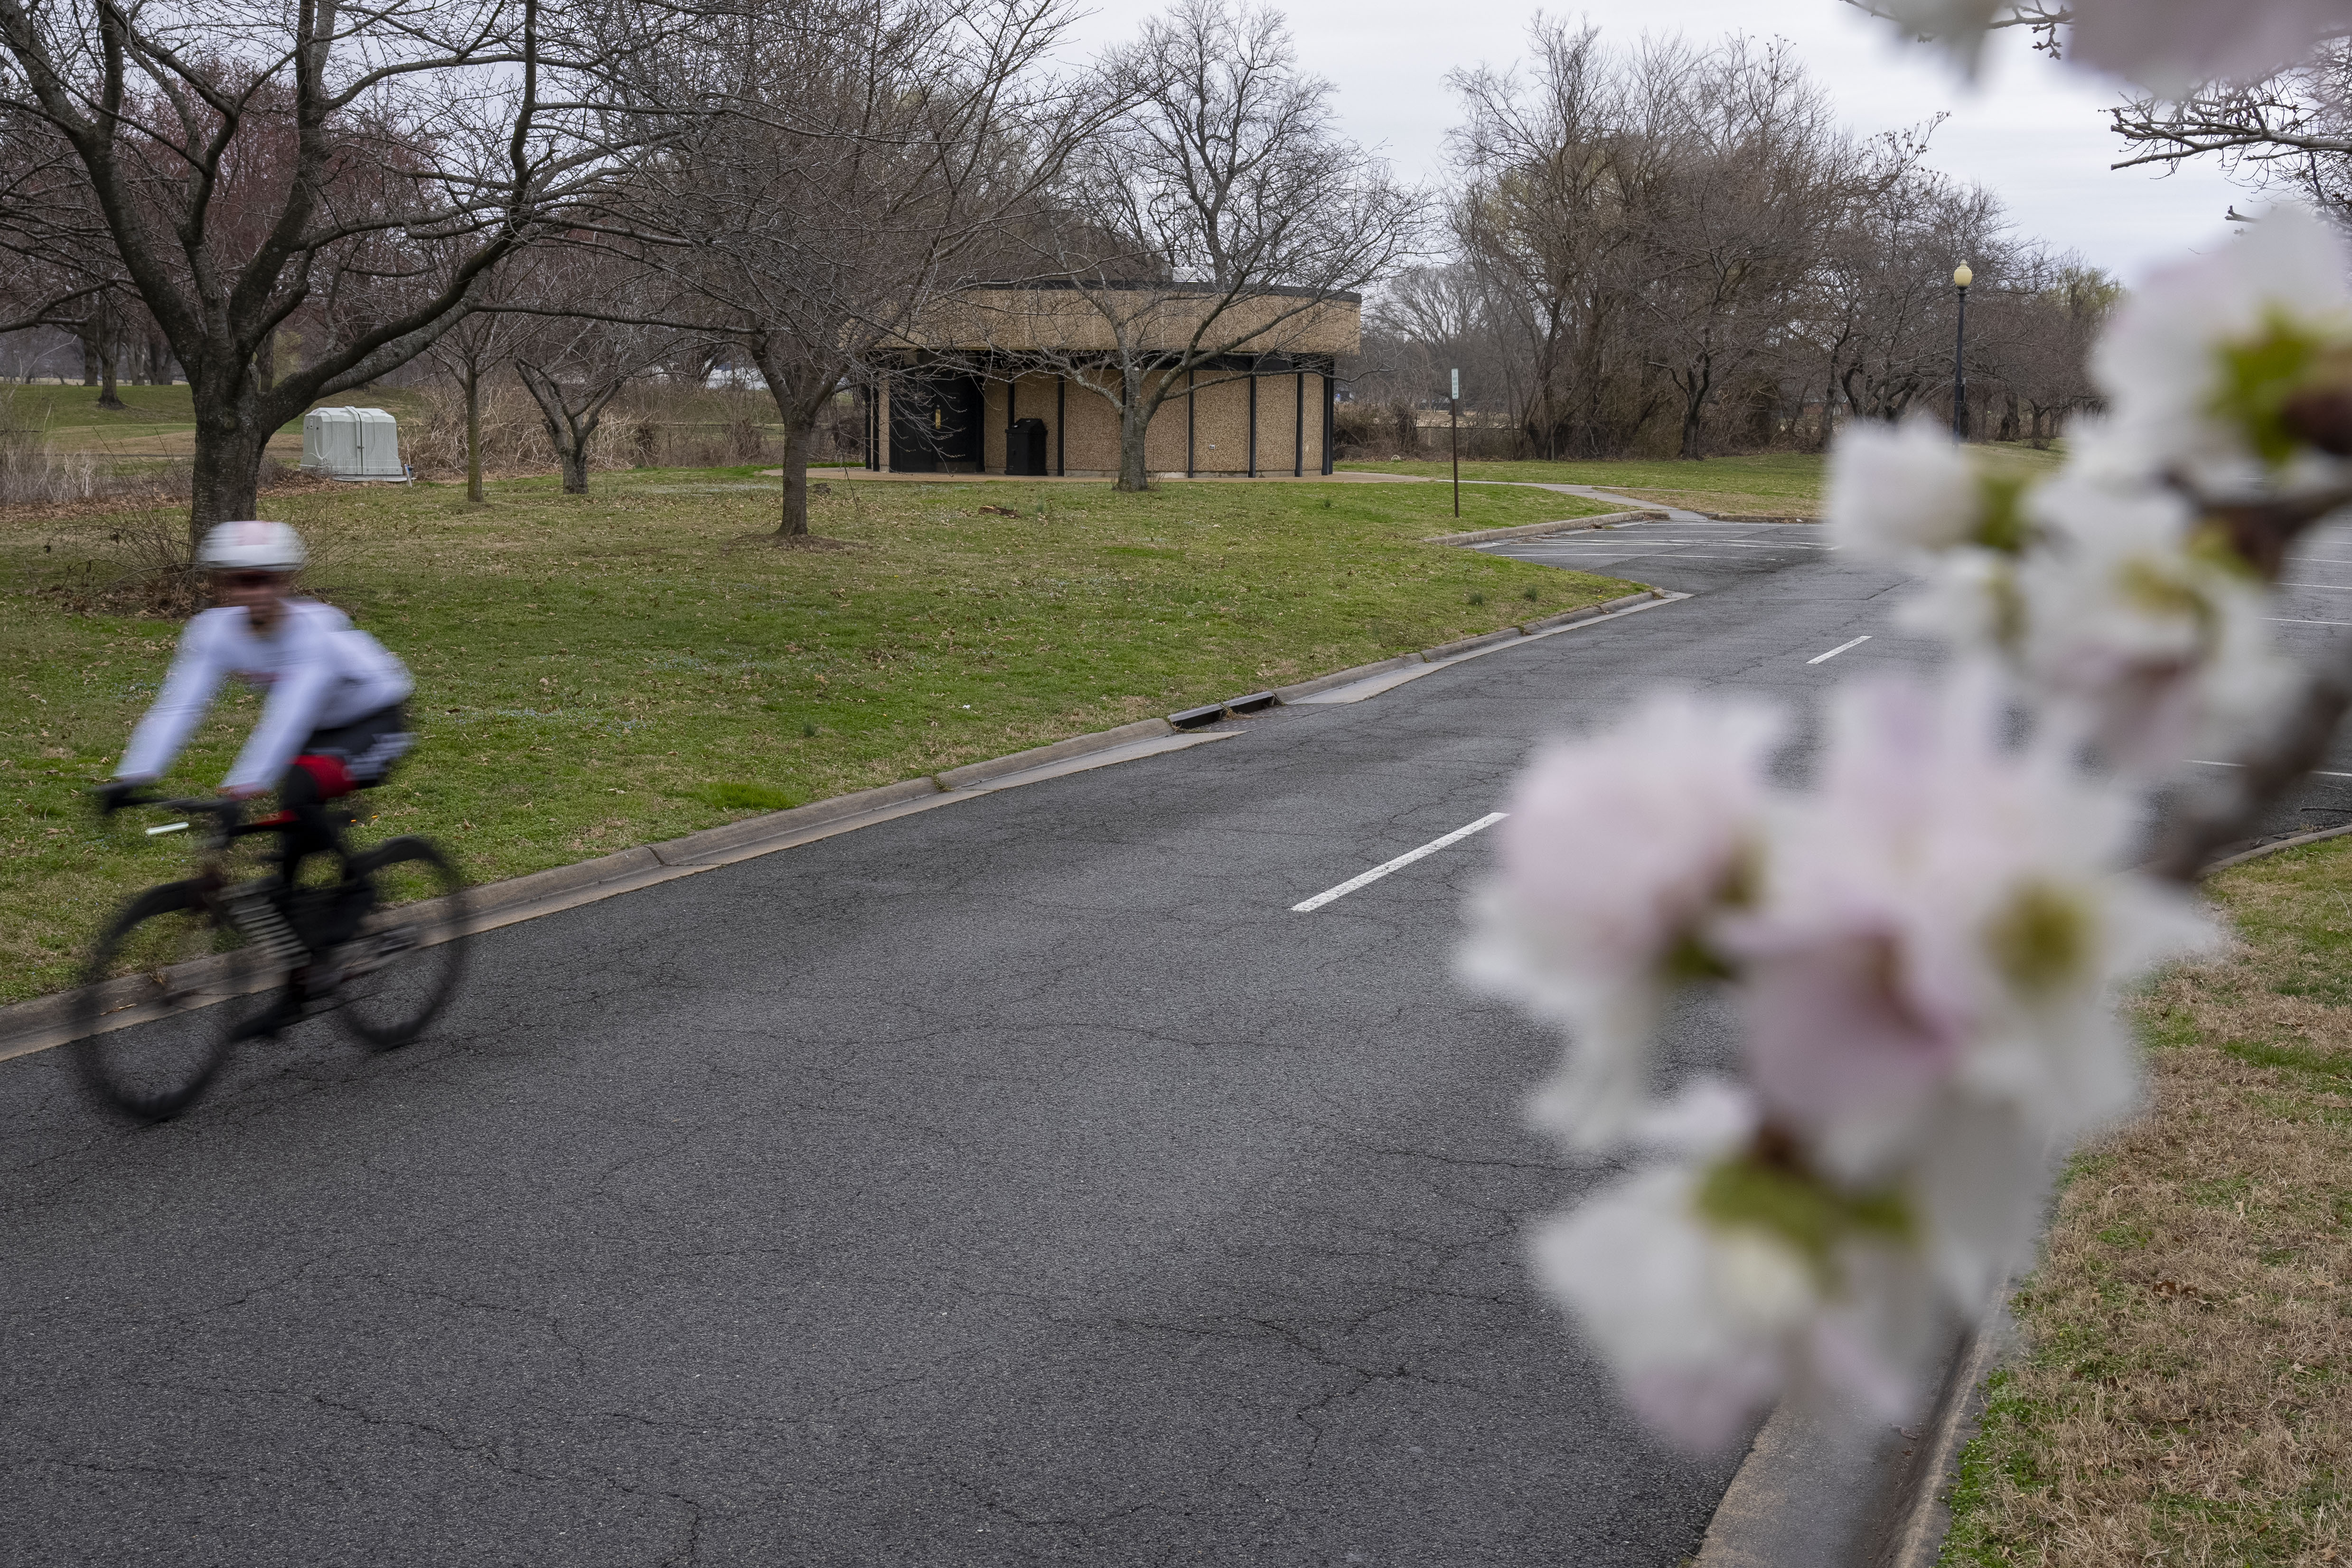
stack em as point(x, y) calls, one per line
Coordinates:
point(223, 811)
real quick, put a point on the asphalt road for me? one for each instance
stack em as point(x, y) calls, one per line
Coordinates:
point(1020, 1182)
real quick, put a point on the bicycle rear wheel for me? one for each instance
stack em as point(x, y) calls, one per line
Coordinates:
point(403, 964)
point(163, 994)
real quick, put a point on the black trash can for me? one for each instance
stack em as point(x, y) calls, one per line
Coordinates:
point(1025, 447)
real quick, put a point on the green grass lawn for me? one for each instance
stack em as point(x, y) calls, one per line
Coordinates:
point(599, 671)
point(1773, 484)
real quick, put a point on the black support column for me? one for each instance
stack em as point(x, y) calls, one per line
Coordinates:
point(1298, 431)
point(1253, 419)
point(1330, 395)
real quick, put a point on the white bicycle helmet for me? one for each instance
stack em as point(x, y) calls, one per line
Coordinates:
point(252, 546)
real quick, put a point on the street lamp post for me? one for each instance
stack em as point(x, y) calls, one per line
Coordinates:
point(1961, 278)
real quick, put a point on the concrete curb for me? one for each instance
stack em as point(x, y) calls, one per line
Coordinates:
point(1468, 644)
point(1538, 530)
point(1847, 1492)
point(1291, 693)
point(700, 849)
point(2259, 850)
point(1568, 619)
point(1077, 746)
point(1923, 1515)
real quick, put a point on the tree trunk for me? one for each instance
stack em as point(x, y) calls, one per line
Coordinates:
point(226, 483)
point(1695, 391)
point(90, 354)
point(1134, 426)
point(799, 433)
point(107, 397)
point(474, 492)
point(801, 386)
point(568, 431)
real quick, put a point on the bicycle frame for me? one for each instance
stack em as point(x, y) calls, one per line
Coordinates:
point(244, 905)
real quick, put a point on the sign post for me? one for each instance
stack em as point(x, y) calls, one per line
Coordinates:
point(1455, 401)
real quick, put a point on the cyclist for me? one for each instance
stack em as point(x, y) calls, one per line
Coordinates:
point(332, 719)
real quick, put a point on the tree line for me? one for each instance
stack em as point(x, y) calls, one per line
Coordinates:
point(295, 201)
point(1673, 248)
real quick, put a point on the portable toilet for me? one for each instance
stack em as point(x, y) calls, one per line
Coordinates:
point(351, 444)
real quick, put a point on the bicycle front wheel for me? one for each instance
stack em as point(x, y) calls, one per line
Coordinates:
point(163, 997)
point(402, 963)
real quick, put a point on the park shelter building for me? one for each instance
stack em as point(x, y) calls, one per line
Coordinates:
point(989, 383)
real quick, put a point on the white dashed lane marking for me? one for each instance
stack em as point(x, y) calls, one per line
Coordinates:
point(1407, 858)
point(1841, 647)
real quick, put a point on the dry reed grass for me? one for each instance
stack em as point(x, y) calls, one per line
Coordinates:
point(2186, 1398)
point(35, 476)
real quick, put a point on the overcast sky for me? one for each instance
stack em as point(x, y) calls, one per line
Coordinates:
point(2032, 130)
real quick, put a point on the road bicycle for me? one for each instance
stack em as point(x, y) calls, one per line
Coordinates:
point(189, 969)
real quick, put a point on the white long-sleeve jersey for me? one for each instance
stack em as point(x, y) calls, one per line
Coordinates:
point(319, 671)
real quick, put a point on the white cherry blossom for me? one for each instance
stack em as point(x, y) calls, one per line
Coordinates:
point(2173, 45)
point(1940, 894)
point(2144, 638)
point(1615, 850)
point(2198, 358)
point(1697, 1322)
point(1901, 490)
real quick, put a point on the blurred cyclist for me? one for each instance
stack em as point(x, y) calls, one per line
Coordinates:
point(330, 720)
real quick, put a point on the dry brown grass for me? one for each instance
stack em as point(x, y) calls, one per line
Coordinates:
point(2186, 1398)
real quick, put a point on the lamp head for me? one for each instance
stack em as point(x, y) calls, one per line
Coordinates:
point(1962, 277)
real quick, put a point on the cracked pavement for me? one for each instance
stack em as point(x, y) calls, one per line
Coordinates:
point(1018, 1183)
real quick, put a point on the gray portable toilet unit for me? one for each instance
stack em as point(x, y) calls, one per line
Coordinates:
point(351, 444)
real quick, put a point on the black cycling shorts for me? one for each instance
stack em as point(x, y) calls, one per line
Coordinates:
point(367, 746)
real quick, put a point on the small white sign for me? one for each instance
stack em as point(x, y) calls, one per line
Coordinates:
point(1457, 386)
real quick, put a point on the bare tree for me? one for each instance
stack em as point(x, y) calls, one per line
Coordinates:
point(1216, 218)
point(1560, 172)
point(363, 162)
point(1756, 173)
point(2291, 131)
point(1881, 313)
point(839, 166)
point(576, 358)
point(1675, 246)
point(473, 346)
